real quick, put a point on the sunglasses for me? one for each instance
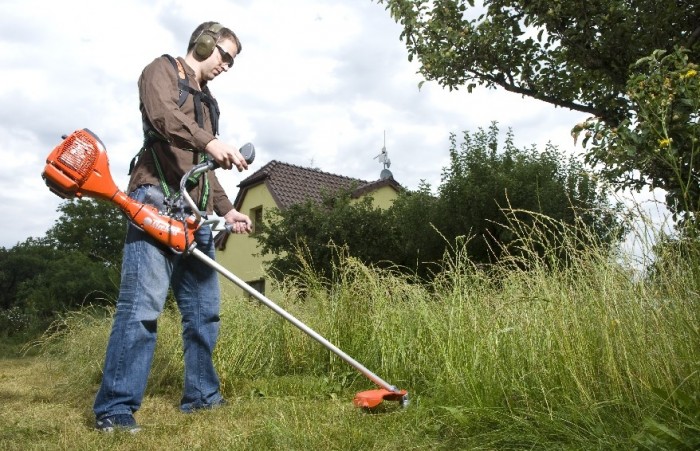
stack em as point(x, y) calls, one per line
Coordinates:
point(225, 56)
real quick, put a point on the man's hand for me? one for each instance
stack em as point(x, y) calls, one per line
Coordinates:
point(237, 222)
point(225, 155)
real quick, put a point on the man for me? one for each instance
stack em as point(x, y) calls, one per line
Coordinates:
point(180, 118)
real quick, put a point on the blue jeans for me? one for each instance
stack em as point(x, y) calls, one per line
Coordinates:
point(148, 269)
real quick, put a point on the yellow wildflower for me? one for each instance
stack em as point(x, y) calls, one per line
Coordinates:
point(665, 142)
point(690, 73)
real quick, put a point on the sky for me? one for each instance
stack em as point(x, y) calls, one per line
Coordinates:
point(319, 83)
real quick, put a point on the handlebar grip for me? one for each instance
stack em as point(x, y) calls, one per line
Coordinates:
point(247, 151)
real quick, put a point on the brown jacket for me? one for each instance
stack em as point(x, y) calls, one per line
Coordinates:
point(159, 95)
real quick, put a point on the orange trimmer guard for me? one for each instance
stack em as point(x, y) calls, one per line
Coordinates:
point(372, 398)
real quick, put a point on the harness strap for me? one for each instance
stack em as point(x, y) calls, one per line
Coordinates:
point(198, 96)
point(151, 135)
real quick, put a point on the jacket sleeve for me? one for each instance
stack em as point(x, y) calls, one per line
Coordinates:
point(159, 93)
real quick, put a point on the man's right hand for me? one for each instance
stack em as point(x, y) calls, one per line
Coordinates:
point(226, 156)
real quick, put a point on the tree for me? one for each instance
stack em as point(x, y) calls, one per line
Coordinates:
point(94, 228)
point(419, 244)
point(20, 264)
point(68, 282)
point(483, 182)
point(40, 280)
point(592, 57)
point(660, 144)
point(319, 230)
point(570, 54)
point(415, 232)
point(75, 263)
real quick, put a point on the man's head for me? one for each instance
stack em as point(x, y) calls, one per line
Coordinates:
point(214, 48)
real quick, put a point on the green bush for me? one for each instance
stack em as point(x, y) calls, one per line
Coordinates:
point(14, 321)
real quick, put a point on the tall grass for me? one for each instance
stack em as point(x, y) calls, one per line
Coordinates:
point(526, 353)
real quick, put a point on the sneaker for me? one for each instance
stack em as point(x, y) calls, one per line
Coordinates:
point(120, 422)
point(191, 409)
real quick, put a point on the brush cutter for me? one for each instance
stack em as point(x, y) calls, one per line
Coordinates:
point(79, 166)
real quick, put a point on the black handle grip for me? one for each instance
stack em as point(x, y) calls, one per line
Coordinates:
point(248, 152)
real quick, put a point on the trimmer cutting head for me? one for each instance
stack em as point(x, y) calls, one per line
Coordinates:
point(372, 398)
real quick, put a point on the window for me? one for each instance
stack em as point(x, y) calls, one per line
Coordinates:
point(257, 285)
point(256, 216)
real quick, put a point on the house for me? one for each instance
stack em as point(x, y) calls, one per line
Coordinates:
point(278, 185)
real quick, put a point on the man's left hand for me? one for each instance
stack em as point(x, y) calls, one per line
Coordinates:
point(238, 222)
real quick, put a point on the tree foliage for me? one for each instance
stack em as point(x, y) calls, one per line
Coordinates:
point(319, 230)
point(94, 228)
point(660, 144)
point(415, 232)
point(21, 264)
point(419, 244)
point(74, 264)
point(483, 181)
point(570, 54)
point(602, 57)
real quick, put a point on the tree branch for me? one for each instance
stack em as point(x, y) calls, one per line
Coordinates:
point(693, 37)
point(512, 87)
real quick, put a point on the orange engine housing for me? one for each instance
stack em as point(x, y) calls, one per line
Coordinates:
point(79, 166)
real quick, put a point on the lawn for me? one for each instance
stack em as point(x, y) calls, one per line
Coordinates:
point(584, 356)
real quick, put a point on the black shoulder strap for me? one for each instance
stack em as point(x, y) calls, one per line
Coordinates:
point(213, 109)
point(182, 84)
point(199, 96)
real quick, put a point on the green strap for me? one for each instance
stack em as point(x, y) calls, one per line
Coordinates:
point(194, 180)
point(205, 189)
point(163, 185)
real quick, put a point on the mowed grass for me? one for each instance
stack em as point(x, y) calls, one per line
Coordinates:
point(522, 355)
point(35, 416)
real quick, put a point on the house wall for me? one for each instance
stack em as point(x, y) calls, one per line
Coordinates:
point(241, 255)
point(383, 197)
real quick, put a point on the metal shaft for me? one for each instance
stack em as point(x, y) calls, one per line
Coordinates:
point(284, 314)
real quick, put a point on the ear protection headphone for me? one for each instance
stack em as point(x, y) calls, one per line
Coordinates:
point(206, 41)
